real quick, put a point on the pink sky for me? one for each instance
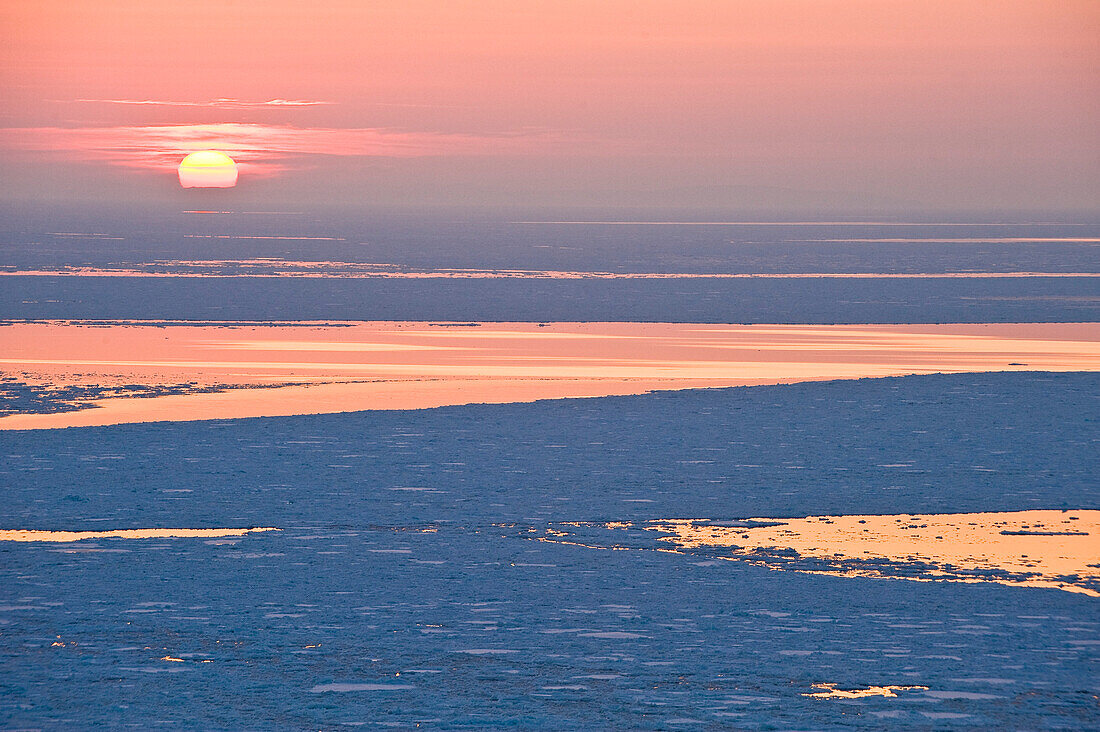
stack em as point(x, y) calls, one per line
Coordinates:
point(773, 104)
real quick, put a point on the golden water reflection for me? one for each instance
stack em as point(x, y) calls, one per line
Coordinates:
point(285, 268)
point(338, 367)
point(67, 536)
point(831, 692)
point(1037, 548)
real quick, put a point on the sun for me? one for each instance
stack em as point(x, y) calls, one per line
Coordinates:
point(208, 169)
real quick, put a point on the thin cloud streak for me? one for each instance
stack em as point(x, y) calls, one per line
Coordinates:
point(222, 102)
point(259, 148)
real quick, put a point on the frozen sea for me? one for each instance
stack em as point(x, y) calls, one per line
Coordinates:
point(407, 584)
point(34, 241)
point(404, 587)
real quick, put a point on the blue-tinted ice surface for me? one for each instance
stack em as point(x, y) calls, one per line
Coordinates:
point(402, 552)
point(686, 301)
point(100, 237)
point(46, 240)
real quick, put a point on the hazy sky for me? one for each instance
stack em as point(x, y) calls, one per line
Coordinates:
point(784, 105)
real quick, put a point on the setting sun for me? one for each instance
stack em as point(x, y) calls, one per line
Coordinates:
point(208, 169)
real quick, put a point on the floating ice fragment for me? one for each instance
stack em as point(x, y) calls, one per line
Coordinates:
point(320, 688)
point(830, 691)
point(67, 536)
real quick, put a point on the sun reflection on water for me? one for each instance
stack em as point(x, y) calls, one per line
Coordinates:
point(831, 692)
point(1038, 548)
point(67, 536)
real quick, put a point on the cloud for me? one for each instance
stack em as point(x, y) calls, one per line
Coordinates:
point(263, 149)
point(221, 103)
